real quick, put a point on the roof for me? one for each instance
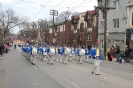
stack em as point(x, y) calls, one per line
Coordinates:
point(76, 17)
point(92, 12)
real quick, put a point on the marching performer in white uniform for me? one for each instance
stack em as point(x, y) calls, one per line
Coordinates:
point(34, 54)
point(66, 54)
point(97, 60)
point(51, 55)
point(56, 58)
point(81, 53)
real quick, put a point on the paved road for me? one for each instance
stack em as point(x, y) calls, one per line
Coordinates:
point(18, 72)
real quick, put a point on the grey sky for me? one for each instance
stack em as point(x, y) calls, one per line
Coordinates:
point(31, 8)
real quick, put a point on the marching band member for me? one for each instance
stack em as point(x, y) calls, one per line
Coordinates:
point(86, 54)
point(46, 53)
point(51, 55)
point(38, 47)
point(56, 53)
point(81, 53)
point(34, 54)
point(28, 52)
point(76, 52)
point(41, 52)
point(61, 53)
point(72, 54)
point(66, 54)
point(98, 58)
point(92, 54)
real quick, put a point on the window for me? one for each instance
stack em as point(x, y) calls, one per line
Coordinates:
point(82, 27)
point(116, 4)
point(90, 36)
point(109, 41)
point(53, 30)
point(102, 25)
point(75, 26)
point(116, 23)
point(63, 28)
point(102, 44)
point(90, 22)
point(74, 36)
point(116, 42)
point(58, 29)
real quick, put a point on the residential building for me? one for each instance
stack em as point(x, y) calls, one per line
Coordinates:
point(129, 29)
point(116, 24)
point(84, 27)
point(61, 34)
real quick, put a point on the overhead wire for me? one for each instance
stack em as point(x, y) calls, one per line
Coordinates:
point(32, 2)
point(42, 8)
point(70, 3)
point(80, 5)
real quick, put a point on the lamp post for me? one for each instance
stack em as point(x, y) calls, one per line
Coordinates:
point(39, 29)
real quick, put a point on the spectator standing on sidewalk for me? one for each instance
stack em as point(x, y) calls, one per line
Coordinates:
point(127, 54)
point(117, 54)
point(108, 50)
point(1, 50)
point(111, 54)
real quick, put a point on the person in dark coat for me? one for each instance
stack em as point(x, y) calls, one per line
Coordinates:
point(1, 50)
point(117, 54)
point(127, 54)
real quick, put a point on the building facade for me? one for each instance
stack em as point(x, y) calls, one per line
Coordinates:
point(61, 34)
point(84, 28)
point(116, 24)
point(129, 29)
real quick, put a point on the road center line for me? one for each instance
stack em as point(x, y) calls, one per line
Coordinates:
point(34, 67)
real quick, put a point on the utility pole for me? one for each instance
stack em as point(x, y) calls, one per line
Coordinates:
point(104, 8)
point(53, 13)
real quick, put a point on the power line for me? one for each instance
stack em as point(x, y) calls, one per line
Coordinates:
point(69, 4)
point(80, 5)
point(32, 2)
point(42, 8)
point(42, 4)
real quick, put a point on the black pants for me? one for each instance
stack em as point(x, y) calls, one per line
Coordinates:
point(109, 57)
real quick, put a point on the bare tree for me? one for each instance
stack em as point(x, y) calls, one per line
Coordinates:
point(65, 16)
point(8, 21)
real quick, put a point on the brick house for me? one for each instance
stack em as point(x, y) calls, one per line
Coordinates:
point(61, 34)
point(84, 28)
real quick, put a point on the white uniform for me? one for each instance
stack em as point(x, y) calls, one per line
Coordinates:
point(34, 54)
point(51, 55)
point(66, 56)
point(81, 55)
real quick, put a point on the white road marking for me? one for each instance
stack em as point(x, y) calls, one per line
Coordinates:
point(64, 79)
point(34, 67)
point(35, 83)
point(69, 82)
